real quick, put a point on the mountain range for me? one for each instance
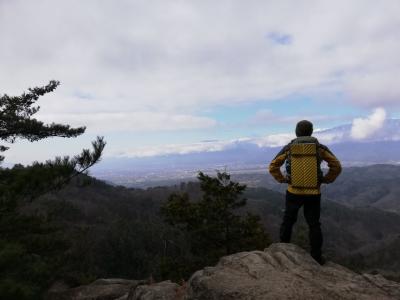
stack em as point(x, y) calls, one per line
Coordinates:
point(246, 155)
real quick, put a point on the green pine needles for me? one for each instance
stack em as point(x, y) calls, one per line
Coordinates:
point(216, 224)
point(17, 122)
point(32, 249)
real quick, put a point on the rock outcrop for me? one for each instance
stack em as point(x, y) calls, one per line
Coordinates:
point(120, 289)
point(165, 290)
point(101, 289)
point(282, 271)
point(285, 271)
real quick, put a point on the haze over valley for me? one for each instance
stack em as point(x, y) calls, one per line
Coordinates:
point(246, 156)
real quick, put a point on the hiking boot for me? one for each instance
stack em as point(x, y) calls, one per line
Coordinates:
point(320, 259)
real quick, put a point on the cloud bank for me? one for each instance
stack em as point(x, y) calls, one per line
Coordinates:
point(138, 121)
point(366, 127)
point(182, 57)
point(362, 129)
point(131, 69)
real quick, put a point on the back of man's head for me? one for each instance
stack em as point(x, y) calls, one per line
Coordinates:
point(304, 128)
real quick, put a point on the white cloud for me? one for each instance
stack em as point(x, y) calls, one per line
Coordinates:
point(361, 128)
point(212, 146)
point(105, 122)
point(274, 140)
point(158, 65)
point(330, 137)
point(374, 88)
point(182, 56)
point(266, 116)
point(366, 127)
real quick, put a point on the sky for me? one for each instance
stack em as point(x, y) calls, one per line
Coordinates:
point(183, 74)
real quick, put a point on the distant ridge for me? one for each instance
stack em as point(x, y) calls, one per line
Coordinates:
point(390, 131)
point(250, 154)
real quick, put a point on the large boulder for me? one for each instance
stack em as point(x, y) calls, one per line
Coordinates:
point(285, 271)
point(165, 290)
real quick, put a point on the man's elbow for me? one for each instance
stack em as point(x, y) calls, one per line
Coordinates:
point(334, 174)
point(339, 168)
point(271, 169)
point(275, 173)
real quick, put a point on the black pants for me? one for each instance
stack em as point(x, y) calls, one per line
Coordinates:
point(312, 208)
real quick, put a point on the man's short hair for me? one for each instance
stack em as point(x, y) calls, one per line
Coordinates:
point(304, 128)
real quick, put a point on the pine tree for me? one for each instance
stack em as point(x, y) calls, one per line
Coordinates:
point(17, 122)
point(31, 249)
point(213, 225)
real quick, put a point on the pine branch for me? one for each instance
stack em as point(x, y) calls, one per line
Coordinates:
point(38, 179)
point(16, 117)
point(18, 104)
point(34, 130)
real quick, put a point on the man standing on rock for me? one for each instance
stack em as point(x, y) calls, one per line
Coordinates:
point(303, 157)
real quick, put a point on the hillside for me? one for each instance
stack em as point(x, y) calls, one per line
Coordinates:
point(374, 186)
point(108, 223)
point(368, 186)
point(349, 237)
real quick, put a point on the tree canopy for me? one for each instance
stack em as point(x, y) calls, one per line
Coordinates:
point(32, 249)
point(17, 122)
point(214, 224)
point(16, 118)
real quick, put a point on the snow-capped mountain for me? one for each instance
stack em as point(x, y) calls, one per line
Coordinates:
point(389, 131)
point(381, 146)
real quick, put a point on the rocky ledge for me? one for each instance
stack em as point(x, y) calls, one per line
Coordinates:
point(282, 271)
point(285, 271)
